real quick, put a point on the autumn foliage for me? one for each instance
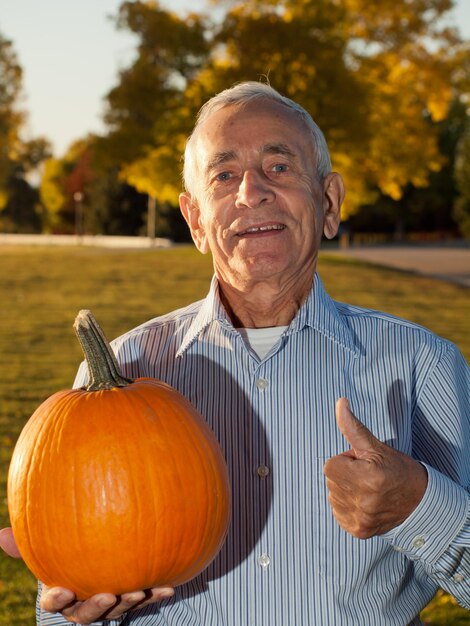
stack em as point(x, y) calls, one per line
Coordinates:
point(378, 77)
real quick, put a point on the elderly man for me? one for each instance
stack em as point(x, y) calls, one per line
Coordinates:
point(336, 519)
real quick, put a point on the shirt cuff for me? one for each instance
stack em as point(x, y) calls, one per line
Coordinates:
point(437, 520)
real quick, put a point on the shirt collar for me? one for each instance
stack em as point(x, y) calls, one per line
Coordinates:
point(319, 311)
point(211, 310)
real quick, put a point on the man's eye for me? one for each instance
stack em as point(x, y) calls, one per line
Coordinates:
point(223, 176)
point(279, 168)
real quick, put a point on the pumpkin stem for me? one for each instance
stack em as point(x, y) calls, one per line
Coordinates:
point(103, 367)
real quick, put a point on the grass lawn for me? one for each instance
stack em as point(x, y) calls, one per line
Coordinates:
point(42, 289)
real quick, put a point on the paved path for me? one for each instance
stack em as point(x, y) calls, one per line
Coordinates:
point(101, 241)
point(446, 263)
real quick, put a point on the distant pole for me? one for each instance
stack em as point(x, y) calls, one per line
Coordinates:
point(78, 199)
point(151, 218)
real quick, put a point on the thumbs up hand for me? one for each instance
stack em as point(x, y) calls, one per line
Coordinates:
point(373, 487)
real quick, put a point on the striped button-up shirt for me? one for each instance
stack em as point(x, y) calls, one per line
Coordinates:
point(286, 561)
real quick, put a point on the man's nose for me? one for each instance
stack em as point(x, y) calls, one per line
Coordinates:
point(254, 190)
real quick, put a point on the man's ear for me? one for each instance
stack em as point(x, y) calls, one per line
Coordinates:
point(191, 213)
point(333, 196)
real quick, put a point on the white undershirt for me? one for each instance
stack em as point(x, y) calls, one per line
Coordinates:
point(261, 340)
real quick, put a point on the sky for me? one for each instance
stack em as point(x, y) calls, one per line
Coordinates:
point(71, 52)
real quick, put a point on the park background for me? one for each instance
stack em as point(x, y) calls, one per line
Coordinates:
point(389, 82)
point(97, 98)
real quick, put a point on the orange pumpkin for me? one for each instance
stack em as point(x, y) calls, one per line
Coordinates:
point(117, 487)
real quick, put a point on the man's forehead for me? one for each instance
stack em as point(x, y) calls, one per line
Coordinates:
point(265, 127)
point(224, 156)
point(260, 108)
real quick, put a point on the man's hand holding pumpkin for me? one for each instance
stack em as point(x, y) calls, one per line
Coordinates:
point(100, 606)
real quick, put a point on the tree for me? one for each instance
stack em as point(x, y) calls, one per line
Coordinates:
point(462, 175)
point(65, 188)
point(141, 108)
point(375, 76)
point(21, 211)
point(19, 208)
point(115, 208)
point(11, 118)
point(146, 114)
point(421, 209)
point(52, 194)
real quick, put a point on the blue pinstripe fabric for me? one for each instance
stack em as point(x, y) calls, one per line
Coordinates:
point(286, 562)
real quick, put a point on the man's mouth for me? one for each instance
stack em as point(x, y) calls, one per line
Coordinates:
point(260, 230)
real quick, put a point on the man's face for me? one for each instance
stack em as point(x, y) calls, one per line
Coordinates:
point(258, 204)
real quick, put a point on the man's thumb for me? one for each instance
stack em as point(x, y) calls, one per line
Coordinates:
point(358, 436)
point(8, 544)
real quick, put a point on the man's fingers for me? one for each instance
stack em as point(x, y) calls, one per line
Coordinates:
point(125, 603)
point(90, 610)
point(54, 599)
point(339, 470)
point(157, 594)
point(107, 606)
point(138, 599)
point(101, 606)
point(8, 543)
point(61, 600)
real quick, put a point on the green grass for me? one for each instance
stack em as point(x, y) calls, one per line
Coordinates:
point(42, 289)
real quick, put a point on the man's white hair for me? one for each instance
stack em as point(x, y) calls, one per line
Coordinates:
point(240, 94)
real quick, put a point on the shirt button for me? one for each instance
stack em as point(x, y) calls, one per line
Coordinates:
point(261, 383)
point(264, 560)
point(418, 542)
point(459, 578)
point(263, 471)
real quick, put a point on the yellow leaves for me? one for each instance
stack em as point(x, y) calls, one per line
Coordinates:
point(3, 199)
point(377, 101)
point(75, 150)
point(438, 104)
point(371, 74)
point(354, 174)
point(405, 89)
point(51, 191)
point(288, 15)
point(391, 188)
point(396, 161)
point(155, 175)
